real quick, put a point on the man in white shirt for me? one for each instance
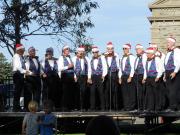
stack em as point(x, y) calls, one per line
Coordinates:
point(111, 82)
point(158, 53)
point(51, 81)
point(126, 75)
point(162, 96)
point(152, 77)
point(172, 76)
point(19, 71)
point(66, 69)
point(82, 69)
point(33, 80)
point(99, 72)
point(140, 67)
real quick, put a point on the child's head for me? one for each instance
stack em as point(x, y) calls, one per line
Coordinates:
point(33, 106)
point(48, 106)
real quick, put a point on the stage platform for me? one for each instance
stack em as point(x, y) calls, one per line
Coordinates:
point(76, 122)
point(76, 114)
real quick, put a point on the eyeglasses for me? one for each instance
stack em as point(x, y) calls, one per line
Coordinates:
point(124, 48)
point(94, 52)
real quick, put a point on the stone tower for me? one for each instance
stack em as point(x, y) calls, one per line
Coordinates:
point(165, 21)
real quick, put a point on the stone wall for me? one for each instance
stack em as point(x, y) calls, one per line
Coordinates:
point(165, 21)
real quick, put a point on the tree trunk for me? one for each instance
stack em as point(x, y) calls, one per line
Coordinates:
point(17, 8)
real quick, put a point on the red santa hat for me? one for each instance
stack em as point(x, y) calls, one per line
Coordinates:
point(128, 46)
point(95, 49)
point(65, 47)
point(110, 45)
point(171, 39)
point(153, 45)
point(81, 48)
point(19, 46)
point(139, 46)
point(150, 50)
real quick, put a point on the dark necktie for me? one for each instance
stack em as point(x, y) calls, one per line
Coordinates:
point(22, 62)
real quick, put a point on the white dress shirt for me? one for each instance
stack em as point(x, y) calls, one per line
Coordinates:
point(123, 62)
point(176, 59)
point(144, 59)
point(162, 57)
point(17, 65)
point(28, 64)
point(61, 66)
point(51, 63)
point(82, 65)
point(61, 63)
point(109, 60)
point(159, 67)
point(104, 65)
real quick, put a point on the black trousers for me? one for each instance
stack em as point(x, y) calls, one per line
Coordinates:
point(173, 87)
point(163, 100)
point(140, 91)
point(111, 91)
point(32, 90)
point(97, 84)
point(82, 87)
point(51, 89)
point(18, 80)
point(68, 92)
point(128, 93)
point(152, 96)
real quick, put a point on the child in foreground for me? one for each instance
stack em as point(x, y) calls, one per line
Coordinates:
point(48, 120)
point(30, 122)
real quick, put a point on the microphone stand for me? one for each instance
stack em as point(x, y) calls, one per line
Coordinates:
point(110, 88)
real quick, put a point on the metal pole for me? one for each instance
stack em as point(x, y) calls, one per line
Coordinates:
point(110, 91)
point(137, 87)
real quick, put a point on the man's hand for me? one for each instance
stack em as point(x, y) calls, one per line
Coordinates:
point(103, 78)
point(75, 79)
point(173, 75)
point(129, 80)
point(120, 80)
point(27, 72)
point(44, 75)
point(70, 66)
point(157, 79)
point(164, 78)
point(143, 81)
point(89, 81)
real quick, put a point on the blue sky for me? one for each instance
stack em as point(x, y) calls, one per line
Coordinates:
point(119, 21)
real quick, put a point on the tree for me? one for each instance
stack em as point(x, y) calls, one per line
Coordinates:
point(5, 68)
point(64, 19)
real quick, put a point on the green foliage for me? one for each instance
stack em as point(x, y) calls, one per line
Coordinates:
point(5, 68)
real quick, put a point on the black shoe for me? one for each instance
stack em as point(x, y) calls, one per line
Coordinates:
point(169, 110)
point(127, 110)
point(75, 110)
point(133, 111)
point(24, 110)
point(146, 111)
point(122, 110)
point(102, 110)
point(83, 110)
point(17, 110)
point(65, 110)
